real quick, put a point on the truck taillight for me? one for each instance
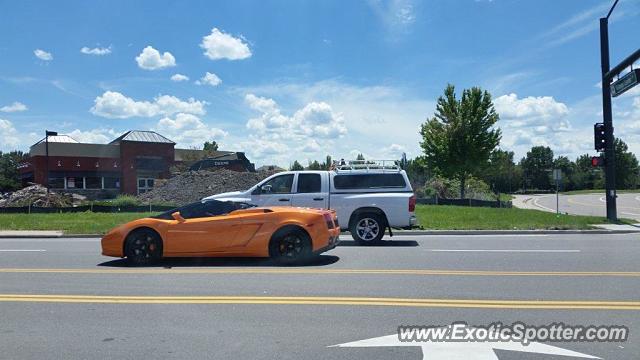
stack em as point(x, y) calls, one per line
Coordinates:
point(329, 219)
point(412, 203)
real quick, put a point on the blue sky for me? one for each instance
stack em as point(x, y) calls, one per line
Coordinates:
point(284, 80)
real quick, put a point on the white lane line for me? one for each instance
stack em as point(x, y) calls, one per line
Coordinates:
point(506, 250)
point(396, 235)
point(22, 250)
point(535, 202)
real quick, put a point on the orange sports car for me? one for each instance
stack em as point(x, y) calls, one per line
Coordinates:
point(212, 228)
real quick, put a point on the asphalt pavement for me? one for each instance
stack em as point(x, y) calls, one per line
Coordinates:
point(628, 204)
point(59, 298)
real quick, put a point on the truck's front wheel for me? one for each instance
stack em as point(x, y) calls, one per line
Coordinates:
point(367, 228)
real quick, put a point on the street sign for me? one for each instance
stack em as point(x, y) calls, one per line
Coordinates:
point(625, 83)
point(557, 174)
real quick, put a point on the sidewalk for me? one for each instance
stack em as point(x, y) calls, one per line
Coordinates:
point(30, 234)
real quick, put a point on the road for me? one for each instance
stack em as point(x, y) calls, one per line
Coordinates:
point(60, 299)
point(582, 204)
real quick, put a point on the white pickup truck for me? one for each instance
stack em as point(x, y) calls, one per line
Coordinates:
point(367, 201)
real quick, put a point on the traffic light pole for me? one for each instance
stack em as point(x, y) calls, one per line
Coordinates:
point(609, 151)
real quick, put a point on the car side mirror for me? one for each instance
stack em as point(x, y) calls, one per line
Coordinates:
point(177, 216)
point(265, 189)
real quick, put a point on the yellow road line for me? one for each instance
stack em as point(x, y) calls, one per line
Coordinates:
point(310, 300)
point(302, 271)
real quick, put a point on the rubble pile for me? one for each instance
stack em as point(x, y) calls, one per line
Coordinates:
point(194, 185)
point(35, 195)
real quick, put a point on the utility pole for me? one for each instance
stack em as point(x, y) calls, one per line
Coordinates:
point(609, 153)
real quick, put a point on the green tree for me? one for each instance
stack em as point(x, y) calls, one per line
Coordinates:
point(9, 173)
point(537, 166)
point(327, 163)
point(568, 169)
point(210, 147)
point(296, 166)
point(459, 139)
point(626, 166)
point(314, 165)
point(585, 175)
point(501, 173)
point(418, 172)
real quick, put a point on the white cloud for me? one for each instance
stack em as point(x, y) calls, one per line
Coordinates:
point(151, 59)
point(179, 77)
point(209, 79)
point(15, 107)
point(397, 16)
point(188, 130)
point(98, 51)
point(8, 135)
point(315, 119)
point(220, 45)
point(367, 113)
point(537, 121)
point(43, 55)
point(112, 104)
point(93, 136)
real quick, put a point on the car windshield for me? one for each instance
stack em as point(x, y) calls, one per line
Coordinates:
point(204, 209)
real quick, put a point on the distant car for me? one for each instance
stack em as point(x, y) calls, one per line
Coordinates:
point(212, 228)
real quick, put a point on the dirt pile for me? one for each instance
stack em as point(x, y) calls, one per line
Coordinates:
point(35, 195)
point(194, 185)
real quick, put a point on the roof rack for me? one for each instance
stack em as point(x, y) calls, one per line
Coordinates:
point(351, 165)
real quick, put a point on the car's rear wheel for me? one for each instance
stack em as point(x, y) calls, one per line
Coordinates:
point(143, 247)
point(367, 229)
point(290, 246)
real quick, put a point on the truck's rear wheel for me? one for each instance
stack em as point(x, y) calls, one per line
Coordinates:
point(367, 228)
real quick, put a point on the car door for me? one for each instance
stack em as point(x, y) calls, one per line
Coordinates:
point(309, 191)
point(200, 232)
point(276, 191)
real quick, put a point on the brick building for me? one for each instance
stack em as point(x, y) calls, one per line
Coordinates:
point(129, 164)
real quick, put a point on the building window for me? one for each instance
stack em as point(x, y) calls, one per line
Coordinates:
point(111, 183)
point(145, 184)
point(74, 182)
point(93, 182)
point(56, 183)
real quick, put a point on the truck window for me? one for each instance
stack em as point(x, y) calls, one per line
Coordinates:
point(309, 183)
point(369, 181)
point(278, 185)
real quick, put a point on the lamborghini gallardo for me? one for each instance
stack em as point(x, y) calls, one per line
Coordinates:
point(212, 228)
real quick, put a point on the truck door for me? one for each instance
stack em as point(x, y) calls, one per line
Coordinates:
point(312, 191)
point(275, 192)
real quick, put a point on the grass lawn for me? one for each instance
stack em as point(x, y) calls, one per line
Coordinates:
point(70, 223)
point(435, 217)
point(441, 217)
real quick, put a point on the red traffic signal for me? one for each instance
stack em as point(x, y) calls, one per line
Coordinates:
point(597, 161)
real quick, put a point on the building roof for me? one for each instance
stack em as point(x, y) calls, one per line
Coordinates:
point(142, 136)
point(58, 139)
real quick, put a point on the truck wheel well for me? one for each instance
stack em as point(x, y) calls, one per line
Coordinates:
point(369, 209)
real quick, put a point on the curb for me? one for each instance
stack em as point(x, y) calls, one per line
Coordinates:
point(395, 233)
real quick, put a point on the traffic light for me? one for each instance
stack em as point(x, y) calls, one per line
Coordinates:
point(600, 141)
point(597, 161)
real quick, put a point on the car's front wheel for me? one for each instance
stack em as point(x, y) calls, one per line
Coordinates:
point(367, 229)
point(290, 246)
point(143, 247)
